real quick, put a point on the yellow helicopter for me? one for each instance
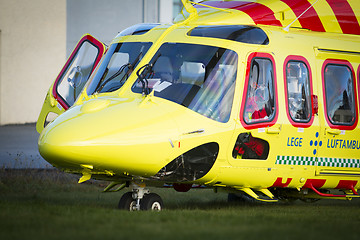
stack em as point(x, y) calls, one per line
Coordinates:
point(257, 98)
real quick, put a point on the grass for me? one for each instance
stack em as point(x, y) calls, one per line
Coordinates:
point(37, 204)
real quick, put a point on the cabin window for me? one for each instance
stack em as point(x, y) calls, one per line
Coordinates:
point(260, 93)
point(340, 94)
point(298, 91)
point(198, 77)
point(238, 33)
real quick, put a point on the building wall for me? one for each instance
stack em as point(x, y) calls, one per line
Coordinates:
point(105, 19)
point(32, 50)
point(37, 36)
point(102, 19)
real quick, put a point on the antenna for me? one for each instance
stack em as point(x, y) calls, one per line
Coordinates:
point(200, 4)
point(287, 28)
point(189, 8)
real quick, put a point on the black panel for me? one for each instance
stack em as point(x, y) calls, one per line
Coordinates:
point(192, 165)
point(238, 33)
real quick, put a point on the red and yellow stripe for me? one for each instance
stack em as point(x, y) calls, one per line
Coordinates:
point(337, 16)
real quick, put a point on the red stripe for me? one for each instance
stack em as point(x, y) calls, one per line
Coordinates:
point(346, 184)
point(278, 182)
point(345, 16)
point(310, 19)
point(259, 13)
point(316, 183)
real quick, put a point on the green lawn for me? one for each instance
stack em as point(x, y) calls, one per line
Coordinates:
point(38, 205)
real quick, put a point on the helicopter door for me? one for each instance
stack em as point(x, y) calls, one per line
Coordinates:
point(339, 153)
point(267, 141)
point(71, 80)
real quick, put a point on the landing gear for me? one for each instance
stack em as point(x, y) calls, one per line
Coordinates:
point(151, 202)
point(127, 202)
point(140, 199)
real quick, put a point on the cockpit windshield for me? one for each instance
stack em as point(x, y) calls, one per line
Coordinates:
point(201, 78)
point(117, 66)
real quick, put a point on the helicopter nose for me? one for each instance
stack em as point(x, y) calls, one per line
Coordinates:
point(58, 147)
point(136, 143)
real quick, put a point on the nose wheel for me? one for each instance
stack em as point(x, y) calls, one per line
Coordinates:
point(140, 199)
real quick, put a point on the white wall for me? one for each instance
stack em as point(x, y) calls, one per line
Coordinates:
point(32, 51)
point(105, 19)
point(166, 11)
point(102, 19)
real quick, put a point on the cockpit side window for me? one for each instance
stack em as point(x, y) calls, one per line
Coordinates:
point(260, 94)
point(76, 75)
point(340, 95)
point(298, 91)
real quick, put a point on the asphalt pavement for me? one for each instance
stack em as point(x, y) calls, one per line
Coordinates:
point(18, 147)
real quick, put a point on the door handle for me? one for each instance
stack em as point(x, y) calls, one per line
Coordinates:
point(333, 131)
point(273, 130)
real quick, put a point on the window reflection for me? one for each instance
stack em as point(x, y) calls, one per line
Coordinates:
point(239, 33)
point(119, 62)
point(298, 87)
point(201, 78)
point(260, 103)
point(74, 79)
point(339, 90)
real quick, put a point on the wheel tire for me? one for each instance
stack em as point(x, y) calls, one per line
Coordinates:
point(152, 202)
point(127, 202)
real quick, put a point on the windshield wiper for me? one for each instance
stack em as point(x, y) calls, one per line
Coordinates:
point(102, 85)
point(130, 68)
point(145, 70)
